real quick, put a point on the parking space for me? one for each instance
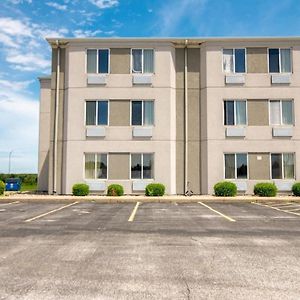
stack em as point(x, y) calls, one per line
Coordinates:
point(149, 250)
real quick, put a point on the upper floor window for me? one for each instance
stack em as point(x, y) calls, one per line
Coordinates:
point(95, 166)
point(234, 60)
point(236, 165)
point(235, 112)
point(281, 112)
point(96, 113)
point(98, 61)
point(142, 60)
point(283, 166)
point(142, 166)
point(142, 113)
point(280, 60)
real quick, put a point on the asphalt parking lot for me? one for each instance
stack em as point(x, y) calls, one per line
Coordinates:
point(149, 251)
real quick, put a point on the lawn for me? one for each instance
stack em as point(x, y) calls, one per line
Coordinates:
point(28, 187)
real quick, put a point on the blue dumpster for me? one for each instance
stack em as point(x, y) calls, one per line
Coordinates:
point(13, 184)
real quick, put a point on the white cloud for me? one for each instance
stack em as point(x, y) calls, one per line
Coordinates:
point(8, 41)
point(85, 33)
point(15, 85)
point(19, 119)
point(20, 1)
point(57, 5)
point(102, 4)
point(14, 27)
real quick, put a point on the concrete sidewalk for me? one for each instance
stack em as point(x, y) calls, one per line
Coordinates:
point(141, 198)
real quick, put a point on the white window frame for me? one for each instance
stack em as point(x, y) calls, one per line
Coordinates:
point(233, 51)
point(95, 170)
point(144, 100)
point(291, 59)
point(131, 60)
point(235, 168)
point(142, 164)
point(97, 61)
point(281, 124)
point(234, 114)
point(282, 165)
point(108, 109)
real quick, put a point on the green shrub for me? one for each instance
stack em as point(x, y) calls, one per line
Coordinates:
point(2, 187)
point(115, 190)
point(225, 189)
point(155, 189)
point(296, 189)
point(265, 189)
point(80, 189)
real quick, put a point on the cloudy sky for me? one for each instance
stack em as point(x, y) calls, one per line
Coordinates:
point(24, 54)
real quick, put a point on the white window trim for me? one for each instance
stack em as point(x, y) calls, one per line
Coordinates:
point(97, 60)
point(143, 101)
point(95, 169)
point(131, 60)
point(282, 166)
point(281, 122)
point(234, 113)
point(233, 60)
point(108, 109)
point(291, 60)
point(235, 168)
point(142, 164)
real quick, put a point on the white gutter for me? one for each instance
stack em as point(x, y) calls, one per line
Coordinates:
point(185, 120)
point(56, 120)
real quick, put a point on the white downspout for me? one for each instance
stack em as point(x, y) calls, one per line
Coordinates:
point(56, 120)
point(185, 120)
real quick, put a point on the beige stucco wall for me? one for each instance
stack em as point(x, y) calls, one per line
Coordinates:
point(259, 166)
point(119, 112)
point(118, 137)
point(258, 112)
point(120, 60)
point(118, 166)
point(257, 60)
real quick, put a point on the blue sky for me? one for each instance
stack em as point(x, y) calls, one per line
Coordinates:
point(24, 54)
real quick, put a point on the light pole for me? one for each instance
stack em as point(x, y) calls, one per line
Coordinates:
point(9, 160)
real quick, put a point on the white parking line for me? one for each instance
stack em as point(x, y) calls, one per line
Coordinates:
point(15, 202)
point(50, 212)
point(217, 212)
point(276, 208)
point(131, 218)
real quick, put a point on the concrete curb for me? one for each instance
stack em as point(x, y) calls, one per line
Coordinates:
point(133, 199)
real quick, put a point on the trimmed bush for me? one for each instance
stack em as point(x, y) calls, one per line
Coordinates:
point(2, 187)
point(265, 189)
point(155, 189)
point(115, 190)
point(225, 189)
point(80, 189)
point(296, 189)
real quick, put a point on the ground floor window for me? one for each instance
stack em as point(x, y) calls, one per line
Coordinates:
point(236, 166)
point(283, 166)
point(142, 166)
point(95, 166)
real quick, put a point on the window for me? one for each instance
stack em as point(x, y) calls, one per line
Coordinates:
point(142, 112)
point(98, 61)
point(142, 60)
point(235, 112)
point(282, 166)
point(280, 60)
point(281, 112)
point(142, 166)
point(234, 60)
point(95, 166)
point(96, 113)
point(236, 166)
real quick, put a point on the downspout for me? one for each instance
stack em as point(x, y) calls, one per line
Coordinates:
point(186, 188)
point(56, 120)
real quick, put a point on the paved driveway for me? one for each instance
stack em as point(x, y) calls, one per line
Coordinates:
point(149, 251)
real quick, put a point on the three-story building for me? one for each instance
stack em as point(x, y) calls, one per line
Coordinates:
point(184, 112)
